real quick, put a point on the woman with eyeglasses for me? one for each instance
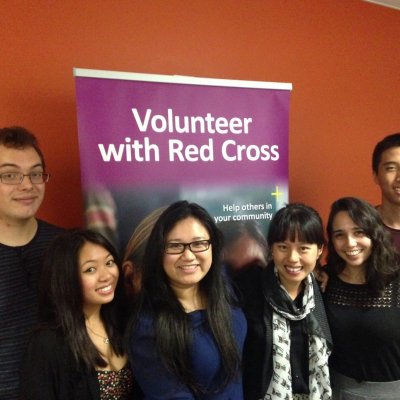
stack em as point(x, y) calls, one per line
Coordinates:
point(187, 333)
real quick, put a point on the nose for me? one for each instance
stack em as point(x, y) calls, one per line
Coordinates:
point(293, 256)
point(351, 241)
point(26, 182)
point(104, 273)
point(187, 253)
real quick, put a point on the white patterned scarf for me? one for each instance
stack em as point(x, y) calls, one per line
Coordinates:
point(280, 386)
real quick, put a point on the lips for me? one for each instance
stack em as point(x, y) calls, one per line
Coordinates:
point(188, 268)
point(26, 199)
point(353, 253)
point(293, 270)
point(105, 289)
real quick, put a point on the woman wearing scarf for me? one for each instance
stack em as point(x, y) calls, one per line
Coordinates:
point(288, 341)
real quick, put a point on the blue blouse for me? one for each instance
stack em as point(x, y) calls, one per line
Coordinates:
point(158, 383)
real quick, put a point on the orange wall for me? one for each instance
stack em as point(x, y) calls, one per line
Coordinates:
point(342, 56)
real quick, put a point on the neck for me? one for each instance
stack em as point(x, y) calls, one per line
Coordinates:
point(190, 298)
point(17, 233)
point(390, 214)
point(97, 330)
point(92, 315)
point(293, 290)
point(355, 275)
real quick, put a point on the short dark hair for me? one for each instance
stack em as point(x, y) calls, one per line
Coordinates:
point(61, 297)
point(17, 137)
point(383, 263)
point(296, 220)
point(386, 143)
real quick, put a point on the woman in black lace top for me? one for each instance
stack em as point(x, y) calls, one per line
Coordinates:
point(362, 303)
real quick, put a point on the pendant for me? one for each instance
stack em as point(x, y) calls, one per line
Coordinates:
point(106, 340)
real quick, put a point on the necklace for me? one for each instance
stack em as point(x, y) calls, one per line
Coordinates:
point(106, 340)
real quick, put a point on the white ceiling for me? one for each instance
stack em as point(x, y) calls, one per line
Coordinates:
point(387, 3)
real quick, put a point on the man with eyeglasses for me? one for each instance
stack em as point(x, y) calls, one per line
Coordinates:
point(23, 240)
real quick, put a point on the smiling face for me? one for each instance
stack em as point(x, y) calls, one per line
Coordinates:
point(388, 176)
point(19, 203)
point(350, 241)
point(99, 275)
point(187, 269)
point(294, 260)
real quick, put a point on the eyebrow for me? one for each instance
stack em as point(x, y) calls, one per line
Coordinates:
point(17, 166)
point(352, 229)
point(390, 162)
point(195, 239)
point(94, 260)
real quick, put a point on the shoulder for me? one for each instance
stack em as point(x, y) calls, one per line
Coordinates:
point(47, 340)
point(45, 227)
point(143, 325)
point(47, 350)
point(239, 322)
point(248, 282)
point(251, 297)
point(44, 236)
point(49, 370)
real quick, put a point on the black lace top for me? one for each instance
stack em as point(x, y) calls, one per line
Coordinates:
point(365, 330)
point(116, 385)
point(350, 295)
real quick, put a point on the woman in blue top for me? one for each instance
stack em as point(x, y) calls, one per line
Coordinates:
point(187, 334)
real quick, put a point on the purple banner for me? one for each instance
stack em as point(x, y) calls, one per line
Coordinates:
point(148, 140)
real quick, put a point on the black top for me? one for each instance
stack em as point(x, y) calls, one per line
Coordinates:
point(254, 285)
point(365, 330)
point(49, 371)
point(19, 273)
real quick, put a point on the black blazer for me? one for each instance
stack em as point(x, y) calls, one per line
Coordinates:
point(254, 286)
point(50, 372)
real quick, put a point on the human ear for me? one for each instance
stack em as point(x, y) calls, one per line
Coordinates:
point(375, 178)
point(128, 269)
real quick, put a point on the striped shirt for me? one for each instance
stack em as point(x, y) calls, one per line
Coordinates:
point(19, 274)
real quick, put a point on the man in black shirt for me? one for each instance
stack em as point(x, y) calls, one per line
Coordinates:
point(386, 170)
point(23, 240)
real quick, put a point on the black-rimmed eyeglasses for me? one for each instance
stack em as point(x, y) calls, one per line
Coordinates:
point(195, 247)
point(16, 178)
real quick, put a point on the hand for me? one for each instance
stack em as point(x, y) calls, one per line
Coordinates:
point(322, 277)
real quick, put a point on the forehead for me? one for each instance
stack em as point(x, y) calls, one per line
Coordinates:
point(189, 227)
point(342, 220)
point(390, 155)
point(21, 158)
point(92, 251)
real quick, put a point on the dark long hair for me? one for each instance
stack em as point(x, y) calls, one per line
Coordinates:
point(296, 220)
point(61, 297)
point(383, 263)
point(172, 330)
